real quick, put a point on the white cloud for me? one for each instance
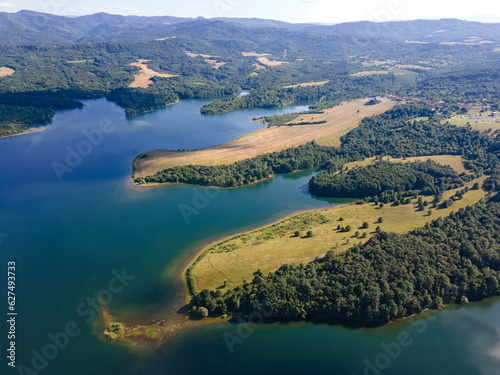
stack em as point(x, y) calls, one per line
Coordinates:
point(7, 5)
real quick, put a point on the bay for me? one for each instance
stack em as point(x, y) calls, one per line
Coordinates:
point(71, 234)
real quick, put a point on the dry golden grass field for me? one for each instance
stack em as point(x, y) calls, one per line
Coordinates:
point(265, 61)
point(143, 79)
point(235, 259)
point(209, 59)
point(4, 71)
point(255, 54)
point(481, 124)
point(321, 83)
point(338, 120)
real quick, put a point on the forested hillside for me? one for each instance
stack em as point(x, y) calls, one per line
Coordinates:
point(455, 259)
point(396, 133)
point(91, 56)
point(29, 27)
point(425, 178)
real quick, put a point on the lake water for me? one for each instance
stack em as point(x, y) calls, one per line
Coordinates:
point(70, 233)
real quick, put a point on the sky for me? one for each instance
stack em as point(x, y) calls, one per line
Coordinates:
point(296, 11)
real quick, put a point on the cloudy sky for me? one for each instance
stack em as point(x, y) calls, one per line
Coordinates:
point(324, 11)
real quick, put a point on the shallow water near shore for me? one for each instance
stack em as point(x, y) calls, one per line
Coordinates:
point(71, 238)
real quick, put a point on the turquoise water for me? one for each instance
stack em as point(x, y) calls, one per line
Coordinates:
point(71, 234)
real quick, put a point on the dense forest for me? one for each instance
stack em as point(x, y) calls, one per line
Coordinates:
point(58, 61)
point(246, 171)
point(456, 259)
point(422, 178)
point(99, 63)
point(20, 110)
point(397, 133)
point(137, 100)
point(35, 28)
point(341, 87)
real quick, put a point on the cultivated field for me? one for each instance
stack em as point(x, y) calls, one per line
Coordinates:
point(4, 71)
point(236, 259)
point(143, 79)
point(338, 120)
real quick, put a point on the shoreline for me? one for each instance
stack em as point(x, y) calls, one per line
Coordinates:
point(174, 321)
point(158, 184)
point(148, 111)
point(334, 122)
point(204, 248)
point(27, 131)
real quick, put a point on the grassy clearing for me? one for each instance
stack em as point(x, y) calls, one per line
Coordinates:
point(482, 123)
point(369, 73)
point(411, 66)
point(255, 54)
point(228, 263)
point(209, 59)
point(338, 120)
point(265, 61)
point(321, 83)
point(143, 79)
point(333, 140)
point(454, 161)
point(5, 71)
point(402, 72)
point(396, 70)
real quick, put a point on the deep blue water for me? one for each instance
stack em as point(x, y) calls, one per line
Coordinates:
point(70, 234)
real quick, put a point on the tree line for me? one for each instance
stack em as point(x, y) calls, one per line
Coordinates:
point(391, 276)
point(417, 178)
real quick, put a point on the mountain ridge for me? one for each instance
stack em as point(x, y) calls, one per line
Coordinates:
point(28, 27)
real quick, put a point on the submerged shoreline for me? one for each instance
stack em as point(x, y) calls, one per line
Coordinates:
point(175, 320)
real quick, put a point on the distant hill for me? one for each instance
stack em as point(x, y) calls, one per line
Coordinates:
point(34, 28)
point(444, 30)
point(28, 27)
